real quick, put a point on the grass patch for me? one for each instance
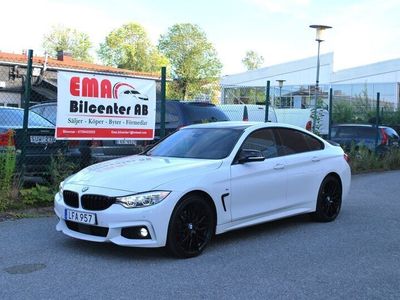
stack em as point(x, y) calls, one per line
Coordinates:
point(362, 160)
point(15, 198)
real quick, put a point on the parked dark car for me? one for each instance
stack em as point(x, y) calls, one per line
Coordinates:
point(89, 151)
point(40, 144)
point(178, 114)
point(364, 135)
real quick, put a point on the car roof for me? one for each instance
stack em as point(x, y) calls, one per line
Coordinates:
point(244, 125)
point(10, 107)
point(223, 124)
point(359, 125)
point(47, 103)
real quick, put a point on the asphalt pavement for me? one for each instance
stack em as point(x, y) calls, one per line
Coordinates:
point(355, 257)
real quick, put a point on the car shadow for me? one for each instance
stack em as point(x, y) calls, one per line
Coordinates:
point(268, 228)
point(219, 242)
point(115, 252)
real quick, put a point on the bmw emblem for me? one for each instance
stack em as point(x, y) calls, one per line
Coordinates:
point(84, 189)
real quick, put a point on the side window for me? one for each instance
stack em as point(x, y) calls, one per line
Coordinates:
point(346, 132)
point(313, 143)
point(293, 141)
point(171, 114)
point(366, 132)
point(262, 140)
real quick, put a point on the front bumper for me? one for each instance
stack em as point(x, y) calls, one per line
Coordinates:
point(112, 221)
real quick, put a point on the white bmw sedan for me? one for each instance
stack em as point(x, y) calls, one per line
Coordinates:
point(203, 180)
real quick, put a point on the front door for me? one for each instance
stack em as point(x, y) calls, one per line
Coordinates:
point(258, 187)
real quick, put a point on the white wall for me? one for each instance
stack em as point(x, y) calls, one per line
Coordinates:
point(303, 72)
point(297, 72)
point(382, 72)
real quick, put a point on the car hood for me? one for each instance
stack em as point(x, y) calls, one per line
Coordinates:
point(141, 173)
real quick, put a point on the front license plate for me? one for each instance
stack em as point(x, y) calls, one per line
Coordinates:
point(80, 216)
point(42, 139)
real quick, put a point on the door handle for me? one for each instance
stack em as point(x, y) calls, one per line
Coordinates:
point(279, 167)
point(315, 159)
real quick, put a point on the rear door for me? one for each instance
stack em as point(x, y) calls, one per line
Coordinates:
point(302, 158)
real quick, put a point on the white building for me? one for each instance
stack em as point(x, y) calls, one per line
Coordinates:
point(299, 82)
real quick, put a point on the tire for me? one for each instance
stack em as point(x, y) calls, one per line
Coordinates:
point(191, 227)
point(329, 200)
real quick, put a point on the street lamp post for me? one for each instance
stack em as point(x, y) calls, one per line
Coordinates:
point(319, 38)
point(280, 82)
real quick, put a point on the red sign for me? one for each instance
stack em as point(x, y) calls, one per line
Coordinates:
point(105, 107)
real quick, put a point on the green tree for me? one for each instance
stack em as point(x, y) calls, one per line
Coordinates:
point(68, 39)
point(129, 47)
point(252, 60)
point(194, 61)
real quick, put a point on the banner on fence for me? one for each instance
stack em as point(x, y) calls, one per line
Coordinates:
point(92, 106)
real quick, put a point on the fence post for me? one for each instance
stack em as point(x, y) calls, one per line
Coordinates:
point(330, 114)
point(378, 96)
point(162, 104)
point(267, 101)
point(27, 96)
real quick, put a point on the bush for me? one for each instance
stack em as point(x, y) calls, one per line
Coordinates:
point(391, 160)
point(37, 196)
point(11, 197)
point(41, 195)
point(363, 160)
point(60, 168)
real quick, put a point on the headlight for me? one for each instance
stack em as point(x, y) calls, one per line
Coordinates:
point(143, 199)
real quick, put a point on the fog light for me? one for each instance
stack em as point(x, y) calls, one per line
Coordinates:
point(144, 232)
point(136, 233)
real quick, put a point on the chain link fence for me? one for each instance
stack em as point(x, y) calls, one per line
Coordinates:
point(195, 90)
point(32, 161)
point(29, 152)
point(351, 103)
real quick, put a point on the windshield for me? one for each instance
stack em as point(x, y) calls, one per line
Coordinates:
point(14, 118)
point(203, 143)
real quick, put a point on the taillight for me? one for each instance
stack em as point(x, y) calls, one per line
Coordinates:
point(309, 125)
point(7, 138)
point(385, 137)
point(346, 158)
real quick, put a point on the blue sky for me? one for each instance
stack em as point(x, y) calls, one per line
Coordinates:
point(364, 31)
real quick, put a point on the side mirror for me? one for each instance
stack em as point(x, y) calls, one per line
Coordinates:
point(248, 155)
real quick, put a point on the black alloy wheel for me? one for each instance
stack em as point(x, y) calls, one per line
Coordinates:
point(191, 227)
point(329, 200)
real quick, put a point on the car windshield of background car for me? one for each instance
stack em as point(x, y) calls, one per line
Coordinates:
point(14, 118)
point(201, 143)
